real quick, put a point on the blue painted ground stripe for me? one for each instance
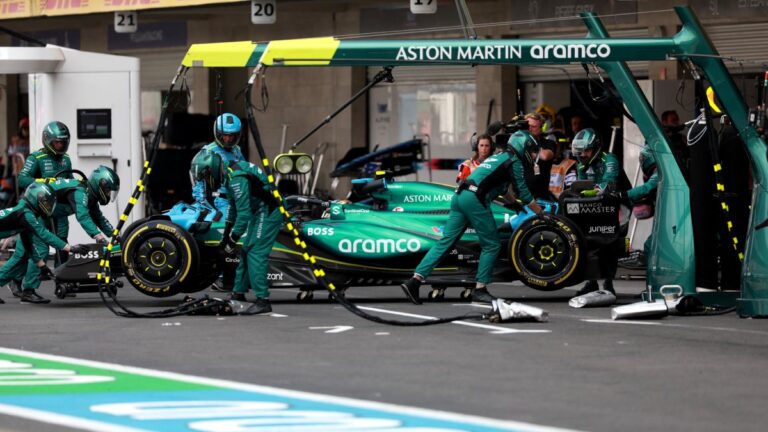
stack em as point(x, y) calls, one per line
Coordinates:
point(226, 407)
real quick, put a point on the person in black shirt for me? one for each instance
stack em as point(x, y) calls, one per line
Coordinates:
point(538, 177)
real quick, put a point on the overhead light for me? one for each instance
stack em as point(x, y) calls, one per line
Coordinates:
point(293, 163)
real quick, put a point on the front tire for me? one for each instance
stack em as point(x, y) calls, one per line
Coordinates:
point(160, 258)
point(547, 252)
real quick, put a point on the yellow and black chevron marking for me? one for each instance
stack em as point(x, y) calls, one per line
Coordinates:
point(726, 210)
point(104, 263)
point(311, 259)
point(104, 271)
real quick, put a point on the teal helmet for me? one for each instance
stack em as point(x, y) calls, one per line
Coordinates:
point(207, 166)
point(227, 130)
point(524, 145)
point(586, 139)
point(56, 137)
point(39, 197)
point(104, 184)
point(647, 161)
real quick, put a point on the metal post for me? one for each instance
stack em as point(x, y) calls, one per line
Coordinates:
point(671, 259)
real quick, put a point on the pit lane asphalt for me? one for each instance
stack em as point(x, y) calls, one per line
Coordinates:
point(586, 373)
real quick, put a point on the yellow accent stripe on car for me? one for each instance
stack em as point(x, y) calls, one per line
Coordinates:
point(306, 52)
point(223, 54)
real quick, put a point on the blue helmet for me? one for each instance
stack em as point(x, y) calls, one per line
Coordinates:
point(227, 130)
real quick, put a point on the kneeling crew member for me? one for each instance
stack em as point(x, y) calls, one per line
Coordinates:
point(602, 168)
point(252, 209)
point(26, 219)
point(470, 206)
point(72, 197)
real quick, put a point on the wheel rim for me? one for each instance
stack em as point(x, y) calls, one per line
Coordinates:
point(545, 252)
point(157, 258)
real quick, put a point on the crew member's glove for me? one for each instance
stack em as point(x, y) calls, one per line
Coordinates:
point(100, 238)
point(230, 245)
point(79, 249)
point(535, 207)
point(589, 193)
point(619, 195)
point(46, 272)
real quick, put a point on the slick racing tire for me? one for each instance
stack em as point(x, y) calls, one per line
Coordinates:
point(547, 252)
point(160, 258)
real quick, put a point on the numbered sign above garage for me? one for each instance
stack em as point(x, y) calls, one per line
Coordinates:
point(263, 11)
point(423, 6)
point(126, 21)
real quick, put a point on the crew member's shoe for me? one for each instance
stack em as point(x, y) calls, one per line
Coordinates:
point(588, 287)
point(260, 306)
point(15, 288)
point(30, 296)
point(1, 301)
point(219, 286)
point(608, 286)
point(481, 295)
point(237, 296)
point(411, 290)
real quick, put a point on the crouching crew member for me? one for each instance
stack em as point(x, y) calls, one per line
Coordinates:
point(252, 210)
point(26, 219)
point(602, 168)
point(81, 199)
point(470, 207)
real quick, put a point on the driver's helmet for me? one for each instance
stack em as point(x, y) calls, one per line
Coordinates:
point(227, 130)
point(40, 198)
point(207, 166)
point(104, 183)
point(586, 139)
point(56, 137)
point(647, 161)
point(524, 145)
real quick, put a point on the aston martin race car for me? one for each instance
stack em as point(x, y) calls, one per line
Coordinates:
point(376, 240)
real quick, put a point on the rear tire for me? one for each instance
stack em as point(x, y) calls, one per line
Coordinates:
point(160, 258)
point(547, 252)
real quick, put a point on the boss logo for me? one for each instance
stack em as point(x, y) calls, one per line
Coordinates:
point(89, 255)
point(320, 231)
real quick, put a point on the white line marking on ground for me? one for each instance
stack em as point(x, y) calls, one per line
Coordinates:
point(333, 329)
point(317, 397)
point(494, 329)
point(607, 321)
point(382, 333)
